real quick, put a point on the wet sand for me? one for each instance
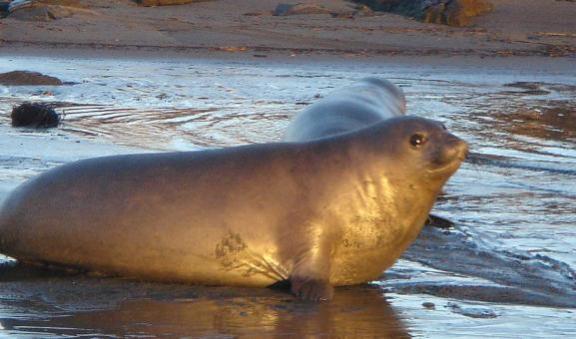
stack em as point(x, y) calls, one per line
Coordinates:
point(506, 270)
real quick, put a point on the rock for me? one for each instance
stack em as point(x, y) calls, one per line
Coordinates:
point(150, 3)
point(297, 9)
point(458, 13)
point(26, 78)
point(34, 115)
point(429, 306)
point(46, 10)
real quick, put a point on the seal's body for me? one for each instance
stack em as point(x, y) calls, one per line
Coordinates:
point(336, 211)
point(358, 106)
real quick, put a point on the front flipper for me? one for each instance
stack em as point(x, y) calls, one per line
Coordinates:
point(310, 276)
point(311, 289)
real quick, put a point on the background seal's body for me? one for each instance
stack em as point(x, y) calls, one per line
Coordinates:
point(351, 108)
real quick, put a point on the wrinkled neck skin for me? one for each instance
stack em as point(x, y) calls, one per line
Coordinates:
point(380, 212)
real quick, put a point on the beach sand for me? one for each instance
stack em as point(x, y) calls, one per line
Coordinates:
point(246, 27)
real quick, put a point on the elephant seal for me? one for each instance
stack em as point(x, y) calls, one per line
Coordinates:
point(362, 104)
point(330, 212)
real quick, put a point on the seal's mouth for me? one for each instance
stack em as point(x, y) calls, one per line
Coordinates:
point(451, 156)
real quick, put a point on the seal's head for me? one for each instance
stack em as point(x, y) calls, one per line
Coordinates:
point(419, 151)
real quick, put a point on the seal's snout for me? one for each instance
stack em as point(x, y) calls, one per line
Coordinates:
point(452, 151)
point(459, 146)
point(456, 147)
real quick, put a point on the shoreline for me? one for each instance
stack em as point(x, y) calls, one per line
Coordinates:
point(260, 55)
point(549, 50)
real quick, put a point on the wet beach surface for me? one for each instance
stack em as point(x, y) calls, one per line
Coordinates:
point(507, 267)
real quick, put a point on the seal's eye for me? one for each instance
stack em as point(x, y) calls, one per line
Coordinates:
point(418, 140)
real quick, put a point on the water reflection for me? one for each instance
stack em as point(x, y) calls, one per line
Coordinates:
point(556, 123)
point(106, 307)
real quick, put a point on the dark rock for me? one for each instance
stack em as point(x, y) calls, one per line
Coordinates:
point(457, 13)
point(34, 115)
point(26, 78)
point(429, 306)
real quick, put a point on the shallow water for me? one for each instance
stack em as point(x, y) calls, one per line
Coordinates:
point(507, 267)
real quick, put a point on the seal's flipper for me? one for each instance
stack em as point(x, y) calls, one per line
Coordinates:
point(312, 289)
point(310, 277)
